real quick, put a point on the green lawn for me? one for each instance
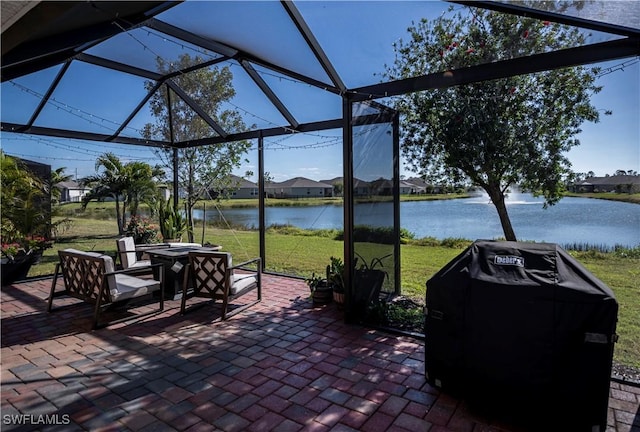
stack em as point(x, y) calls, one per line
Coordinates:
point(301, 255)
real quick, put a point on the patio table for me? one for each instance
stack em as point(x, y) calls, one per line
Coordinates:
point(174, 261)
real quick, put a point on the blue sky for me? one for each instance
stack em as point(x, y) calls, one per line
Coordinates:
point(356, 39)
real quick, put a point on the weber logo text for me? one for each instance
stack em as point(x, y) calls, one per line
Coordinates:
point(509, 260)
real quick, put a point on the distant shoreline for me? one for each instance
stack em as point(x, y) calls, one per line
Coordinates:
point(303, 202)
point(610, 196)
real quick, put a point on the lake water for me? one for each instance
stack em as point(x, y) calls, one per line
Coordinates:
point(572, 220)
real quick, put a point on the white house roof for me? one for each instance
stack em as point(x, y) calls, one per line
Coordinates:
point(70, 184)
point(242, 183)
point(336, 180)
point(417, 181)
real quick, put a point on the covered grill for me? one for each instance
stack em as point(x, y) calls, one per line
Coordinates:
point(524, 331)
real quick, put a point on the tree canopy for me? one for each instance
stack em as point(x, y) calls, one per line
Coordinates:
point(493, 134)
point(204, 168)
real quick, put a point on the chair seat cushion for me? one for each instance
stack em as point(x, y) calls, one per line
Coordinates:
point(242, 282)
point(127, 287)
point(141, 263)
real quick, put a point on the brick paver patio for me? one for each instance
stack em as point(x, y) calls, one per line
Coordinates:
point(282, 365)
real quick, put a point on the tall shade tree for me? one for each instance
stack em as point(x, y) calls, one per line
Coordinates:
point(127, 184)
point(500, 133)
point(204, 168)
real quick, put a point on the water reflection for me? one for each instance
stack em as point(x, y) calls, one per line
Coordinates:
point(572, 220)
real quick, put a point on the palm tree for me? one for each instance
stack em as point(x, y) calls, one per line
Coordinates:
point(58, 176)
point(129, 184)
point(140, 184)
point(107, 184)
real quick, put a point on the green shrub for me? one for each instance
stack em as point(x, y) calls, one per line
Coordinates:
point(381, 235)
point(455, 242)
point(624, 252)
point(408, 319)
point(426, 241)
point(600, 251)
point(406, 236)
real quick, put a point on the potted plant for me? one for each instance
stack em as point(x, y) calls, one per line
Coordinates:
point(368, 280)
point(321, 289)
point(26, 219)
point(335, 276)
point(172, 222)
point(142, 230)
point(19, 254)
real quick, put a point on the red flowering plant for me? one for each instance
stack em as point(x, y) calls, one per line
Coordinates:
point(142, 231)
point(17, 246)
point(11, 250)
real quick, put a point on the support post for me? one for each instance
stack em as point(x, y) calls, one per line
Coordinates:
point(347, 163)
point(261, 211)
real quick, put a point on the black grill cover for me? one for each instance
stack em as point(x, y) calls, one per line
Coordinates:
point(522, 330)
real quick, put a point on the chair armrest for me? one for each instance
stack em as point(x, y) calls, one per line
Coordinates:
point(242, 264)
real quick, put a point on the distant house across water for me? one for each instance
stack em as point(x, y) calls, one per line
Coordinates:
point(243, 188)
point(411, 186)
point(299, 187)
point(238, 188)
point(360, 187)
point(616, 183)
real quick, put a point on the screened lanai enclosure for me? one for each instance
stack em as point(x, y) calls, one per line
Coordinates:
point(306, 84)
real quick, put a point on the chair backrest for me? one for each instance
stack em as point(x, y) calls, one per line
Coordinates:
point(209, 272)
point(84, 274)
point(127, 251)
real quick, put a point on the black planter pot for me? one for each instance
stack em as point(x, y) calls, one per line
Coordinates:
point(367, 284)
point(36, 257)
point(16, 270)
